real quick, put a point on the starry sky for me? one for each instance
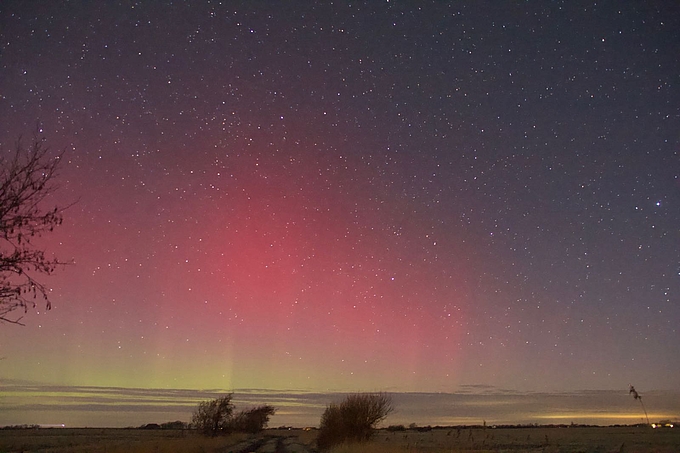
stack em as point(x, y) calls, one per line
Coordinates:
point(352, 196)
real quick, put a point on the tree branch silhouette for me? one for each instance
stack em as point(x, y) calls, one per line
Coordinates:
point(26, 179)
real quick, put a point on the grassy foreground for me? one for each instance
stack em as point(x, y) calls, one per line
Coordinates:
point(521, 440)
point(449, 440)
point(109, 440)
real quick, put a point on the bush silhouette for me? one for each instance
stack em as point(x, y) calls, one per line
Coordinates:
point(354, 419)
point(213, 417)
point(217, 417)
point(253, 420)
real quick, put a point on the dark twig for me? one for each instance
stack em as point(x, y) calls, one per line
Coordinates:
point(637, 396)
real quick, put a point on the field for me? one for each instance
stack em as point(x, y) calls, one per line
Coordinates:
point(529, 439)
point(449, 440)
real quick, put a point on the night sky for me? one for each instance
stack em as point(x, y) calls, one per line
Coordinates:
point(353, 196)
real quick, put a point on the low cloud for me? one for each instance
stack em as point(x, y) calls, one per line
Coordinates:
point(30, 403)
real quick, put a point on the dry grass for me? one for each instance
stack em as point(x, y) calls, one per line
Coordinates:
point(521, 440)
point(112, 441)
point(448, 440)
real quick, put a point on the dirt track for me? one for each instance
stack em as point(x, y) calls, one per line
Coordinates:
point(270, 444)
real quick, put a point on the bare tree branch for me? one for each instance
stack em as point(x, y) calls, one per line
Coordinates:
point(26, 179)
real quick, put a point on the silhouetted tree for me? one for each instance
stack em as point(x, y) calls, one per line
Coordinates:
point(214, 417)
point(354, 419)
point(26, 178)
point(217, 417)
point(253, 420)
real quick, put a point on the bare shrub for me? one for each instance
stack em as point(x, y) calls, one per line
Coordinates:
point(253, 420)
point(332, 430)
point(354, 419)
point(217, 417)
point(214, 417)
